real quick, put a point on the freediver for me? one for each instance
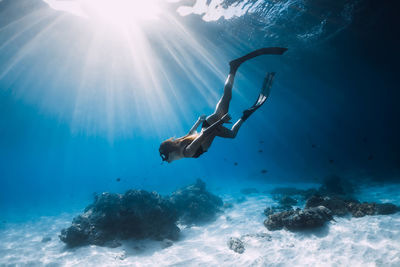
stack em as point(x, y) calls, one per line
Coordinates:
point(194, 144)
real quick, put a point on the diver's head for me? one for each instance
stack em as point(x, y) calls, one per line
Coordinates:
point(169, 150)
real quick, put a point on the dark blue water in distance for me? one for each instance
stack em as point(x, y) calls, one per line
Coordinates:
point(81, 107)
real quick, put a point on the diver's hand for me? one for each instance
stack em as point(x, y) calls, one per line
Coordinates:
point(226, 118)
point(202, 117)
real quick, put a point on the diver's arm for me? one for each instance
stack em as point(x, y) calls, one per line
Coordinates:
point(191, 149)
point(197, 123)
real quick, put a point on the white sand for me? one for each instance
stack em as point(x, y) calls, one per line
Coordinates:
point(367, 241)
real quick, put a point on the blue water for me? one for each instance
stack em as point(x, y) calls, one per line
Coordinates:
point(82, 104)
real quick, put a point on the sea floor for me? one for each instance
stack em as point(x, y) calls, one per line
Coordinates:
point(367, 241)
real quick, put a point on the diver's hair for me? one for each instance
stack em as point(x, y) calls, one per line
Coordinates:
point(173, 144)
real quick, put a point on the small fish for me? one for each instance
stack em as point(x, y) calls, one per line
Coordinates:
point(331, 161)
point(118, 179)
point(365, 140)
point(370, 157)
point(235, 163)
point(260, 151)
point(261, 142)
point(313, 146)
point(264, 171)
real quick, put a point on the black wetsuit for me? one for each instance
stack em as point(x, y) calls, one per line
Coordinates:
point(205, 124)
point(200, 150)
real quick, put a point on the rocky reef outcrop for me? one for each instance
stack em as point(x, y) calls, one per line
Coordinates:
point(341, 207)
point(333, 198)
point(335, 204)
point(195, 205)
point(320, 209)
point(298, 219)
point(140, 214)
point(135, 214)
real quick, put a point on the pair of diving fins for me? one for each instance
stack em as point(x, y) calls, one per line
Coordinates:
point(262, 97)
point(266, 87)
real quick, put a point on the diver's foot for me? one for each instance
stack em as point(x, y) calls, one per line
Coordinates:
point(248, 112)
point(234, 64)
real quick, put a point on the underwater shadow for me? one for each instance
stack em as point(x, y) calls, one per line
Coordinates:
point(319, 232)
point(129, 247)
point(143, 248)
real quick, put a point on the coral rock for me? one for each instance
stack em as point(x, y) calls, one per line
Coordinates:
point(295, 220)
point(195, 205)
point(236, 245)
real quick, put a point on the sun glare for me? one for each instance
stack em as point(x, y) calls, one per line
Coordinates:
point(128, 62)
point(111, 12)
point(121, 11)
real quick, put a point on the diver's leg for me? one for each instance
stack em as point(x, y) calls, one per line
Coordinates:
point(223, 104)
point(229, 133)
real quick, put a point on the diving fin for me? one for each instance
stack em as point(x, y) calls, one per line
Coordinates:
point(234, 64)
point(262, 97)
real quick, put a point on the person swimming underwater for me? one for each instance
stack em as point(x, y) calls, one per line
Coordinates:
point(194, 144)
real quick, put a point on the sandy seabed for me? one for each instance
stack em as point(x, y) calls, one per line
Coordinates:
point(367, 241)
